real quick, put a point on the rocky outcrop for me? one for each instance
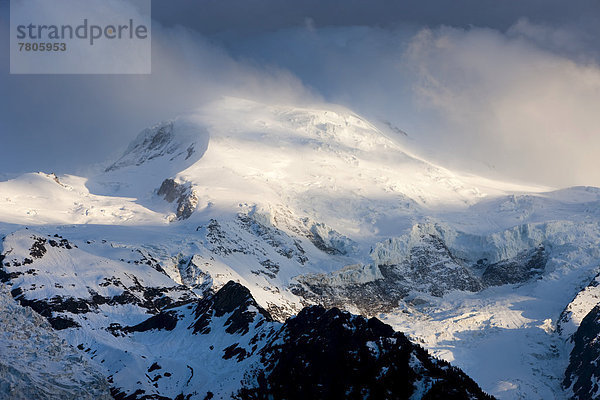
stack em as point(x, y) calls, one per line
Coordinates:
point(182, 194)
point(525, 266)
point(330, 354)
point(151, 143)
point(583, 372)
point(233, 300)
point(429, 267)
point(571, 317)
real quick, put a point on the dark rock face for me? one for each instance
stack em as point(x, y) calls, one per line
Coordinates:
point(169, 190)
point(48, 308)
point(37, 248)
point(151, 299)
point(139, 395)
point(233, 299)
point(371, 298)
point(182, 194)
point(525, 266)
point(329, 354)
point(583, 373)
point(430, 268)
point(162, 321)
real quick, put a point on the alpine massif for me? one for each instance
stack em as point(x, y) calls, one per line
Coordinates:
point(255, 251)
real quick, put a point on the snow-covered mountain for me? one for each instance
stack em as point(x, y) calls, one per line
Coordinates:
point(153, 338)
point(303, 207)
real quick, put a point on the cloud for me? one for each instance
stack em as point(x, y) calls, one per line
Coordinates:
point(63, 122)
point(504, 100)
point(518, 104)
point(577, 40)
point(513, 96)
point(243, 17)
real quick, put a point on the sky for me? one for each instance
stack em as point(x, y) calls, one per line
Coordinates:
point(505, 88)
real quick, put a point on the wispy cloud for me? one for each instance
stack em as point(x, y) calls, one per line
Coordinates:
point(505, 100)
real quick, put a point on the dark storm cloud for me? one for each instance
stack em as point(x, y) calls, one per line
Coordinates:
point(256, 16)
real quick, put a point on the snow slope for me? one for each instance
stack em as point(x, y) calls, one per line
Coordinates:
point(39, 198)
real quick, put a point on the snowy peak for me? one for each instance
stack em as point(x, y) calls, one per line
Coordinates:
point(169, 139)
point(233, 300)
point(240, 151)
point(321, 162)
point(277, 207)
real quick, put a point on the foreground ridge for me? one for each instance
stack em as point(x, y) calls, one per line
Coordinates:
point(218, 345)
